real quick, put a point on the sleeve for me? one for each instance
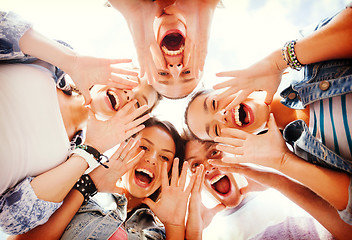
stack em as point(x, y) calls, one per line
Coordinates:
point(12, 28)
point(21, 210)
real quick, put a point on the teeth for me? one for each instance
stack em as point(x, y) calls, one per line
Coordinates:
point(112, 93)
point(173, 53)
point(237, 115)
point(145, 171)
point(217, 178)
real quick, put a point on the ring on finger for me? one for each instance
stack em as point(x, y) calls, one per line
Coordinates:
point(121, 158)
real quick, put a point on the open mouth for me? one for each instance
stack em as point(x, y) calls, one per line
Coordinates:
point(173, 43)
point(113, 98)
point(221, 184)
point(143, 177)
point(242, 115)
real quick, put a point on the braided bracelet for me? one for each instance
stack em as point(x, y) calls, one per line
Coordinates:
point(86, 187)
point(92, 156)
point(289, 55)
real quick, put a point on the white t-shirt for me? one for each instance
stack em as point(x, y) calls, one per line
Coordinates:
point(266, 209)
point(33, 138)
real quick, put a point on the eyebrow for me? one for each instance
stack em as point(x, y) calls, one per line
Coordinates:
point(190, 158)
point(205, 107)
point(164, 149)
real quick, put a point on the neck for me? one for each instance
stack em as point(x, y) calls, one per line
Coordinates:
point(73, 112)
point(284, 115)
point(132, 202)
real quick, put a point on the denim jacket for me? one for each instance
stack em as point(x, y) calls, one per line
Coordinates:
point(92, 221)
point(321, 80)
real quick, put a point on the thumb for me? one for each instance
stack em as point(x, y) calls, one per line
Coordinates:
point(87, 98)
point(150, 203)
point(119, 190)
point(218, 208)
point(269, 98)
point(91, 115)
point(272, 123)
point(245, 190)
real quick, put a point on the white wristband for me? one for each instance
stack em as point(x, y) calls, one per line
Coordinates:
point(92, 162)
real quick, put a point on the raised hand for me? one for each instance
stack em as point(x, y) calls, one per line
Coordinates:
point(198, 15)
point(172, 205)
point(125, 158)
point(86, 71)
point(199, 217)
point(267, 149)
point(104, 135)
point(263, 75)
point(140, 15)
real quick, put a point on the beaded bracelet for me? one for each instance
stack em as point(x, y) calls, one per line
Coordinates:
point(289, 55)
point(86, 187)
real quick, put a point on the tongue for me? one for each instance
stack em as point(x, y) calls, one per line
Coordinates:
point(172, 41)
point(222, 186)
point(143, 177)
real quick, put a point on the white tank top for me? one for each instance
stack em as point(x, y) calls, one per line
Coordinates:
point(33, 138)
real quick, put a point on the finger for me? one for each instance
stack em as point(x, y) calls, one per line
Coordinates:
point(150, 203)
point(243, 95)
point(192, 181)
point(232, 73)
point(174, 175)
point(121, 82)
point(228, 83)
point(269, 98)
point(199, 179)
point(230, 149)
point(235, 142)
point(234, 133)
point(235, 159)
point(133, 162)
point(272, 123)
point(137, 122)
point(127, 148)
point(118, 151)
point(183, 177)
point(164, 178)
point(91, 115)
point(118, 190)
point(133, 131)
point(116, 61)
point(87, 98)
point(229, 92)
point(130, 117)
point(117, 70)
point(124, 110)
point(187, 51)
point(217, 208)
point(158, 55)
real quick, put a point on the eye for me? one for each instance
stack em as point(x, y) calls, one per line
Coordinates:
point(137, 104)
point(213, 104)
point(214, 153)
point(143, 147)
point(217, 130)
point(186, 72)
point(165, 158)
point(163, 73)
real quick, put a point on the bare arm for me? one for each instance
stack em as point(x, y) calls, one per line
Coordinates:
point(319, 208)
point(57, 223)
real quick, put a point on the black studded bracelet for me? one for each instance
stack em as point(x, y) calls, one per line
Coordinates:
point(86, 187)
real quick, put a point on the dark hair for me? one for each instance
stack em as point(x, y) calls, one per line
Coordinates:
point(179, 145)
point(197, 94)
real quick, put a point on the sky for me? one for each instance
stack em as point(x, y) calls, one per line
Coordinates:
point(243, 32)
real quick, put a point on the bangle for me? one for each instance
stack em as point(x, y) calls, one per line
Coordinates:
point(289, 55)
point(95, 153)
point(91, 155)
point(86, 187)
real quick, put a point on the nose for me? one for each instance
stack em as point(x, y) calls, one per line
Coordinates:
point(208, 168)
point(128, 95)
point(151, 159)
point(220, 116)
point(175, 69)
